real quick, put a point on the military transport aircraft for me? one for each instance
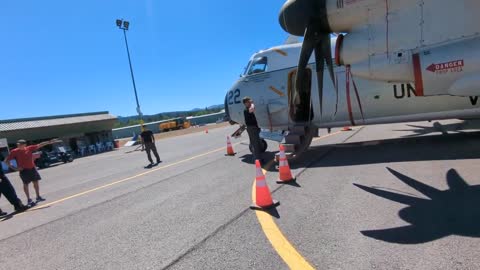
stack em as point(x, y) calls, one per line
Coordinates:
point(388, 61)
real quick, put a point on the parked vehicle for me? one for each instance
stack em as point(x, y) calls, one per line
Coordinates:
point(46, 159)
point(175, 124)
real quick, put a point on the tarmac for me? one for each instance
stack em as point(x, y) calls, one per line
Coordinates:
point(398, 196)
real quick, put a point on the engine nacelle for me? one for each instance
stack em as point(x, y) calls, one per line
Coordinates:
point(348, 15)
point(388, 68)
point(353, 50)
point(392, 27)
point(345, 15)
point(453, 69)
point(332, 15)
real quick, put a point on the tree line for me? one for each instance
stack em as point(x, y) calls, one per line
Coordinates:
point(133, 120)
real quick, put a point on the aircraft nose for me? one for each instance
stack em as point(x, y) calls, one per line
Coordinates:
point(227, 111)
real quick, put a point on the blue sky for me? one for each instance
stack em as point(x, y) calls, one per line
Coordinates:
point(61, 57)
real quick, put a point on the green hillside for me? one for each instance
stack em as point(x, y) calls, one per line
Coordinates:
point(133, 120)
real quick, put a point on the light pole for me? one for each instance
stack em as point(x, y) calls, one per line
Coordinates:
point(124, 26)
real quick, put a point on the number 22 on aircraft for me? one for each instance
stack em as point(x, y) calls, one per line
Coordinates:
point(234, 97)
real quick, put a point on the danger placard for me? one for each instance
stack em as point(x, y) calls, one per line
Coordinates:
point(451, 66)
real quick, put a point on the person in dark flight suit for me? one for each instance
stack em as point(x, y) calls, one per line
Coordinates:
point(8, 191)
point(252, 128)
point(148, 141)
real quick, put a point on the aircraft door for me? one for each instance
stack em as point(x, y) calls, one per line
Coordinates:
point(299, 100)
point(278, 101)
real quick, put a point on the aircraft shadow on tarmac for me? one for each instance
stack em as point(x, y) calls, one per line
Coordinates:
point(426, 148)
point(449, 212)
point(437, 127)
point(444, 129)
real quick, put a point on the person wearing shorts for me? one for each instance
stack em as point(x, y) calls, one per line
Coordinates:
point(23, 154)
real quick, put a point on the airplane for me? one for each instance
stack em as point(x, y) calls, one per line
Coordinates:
point(375, 62)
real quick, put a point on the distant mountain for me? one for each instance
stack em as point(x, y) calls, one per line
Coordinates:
point(215, 107)
point(123, 121)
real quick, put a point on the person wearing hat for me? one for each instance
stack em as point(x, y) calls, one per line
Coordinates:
point(252, 128)
point(7, 190)
point(23, 154)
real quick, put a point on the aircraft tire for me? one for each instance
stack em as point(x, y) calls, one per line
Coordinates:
point(264, 147)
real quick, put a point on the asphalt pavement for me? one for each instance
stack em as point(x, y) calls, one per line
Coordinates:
point(402, 196)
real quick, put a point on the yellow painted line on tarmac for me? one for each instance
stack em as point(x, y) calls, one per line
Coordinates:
point(122, 180)
point(277, 239)
point(280, 243)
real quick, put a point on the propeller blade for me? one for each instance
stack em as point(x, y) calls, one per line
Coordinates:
point(318, 42)
point(307, 50)
point(320, 65)
point(323, 54)
point(327, 54)
point(310, 17)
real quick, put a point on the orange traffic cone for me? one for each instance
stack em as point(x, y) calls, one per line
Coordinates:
point(206, 130)
point(230, 151)
point(263, 198)
point(284, 169)
point(346, 129)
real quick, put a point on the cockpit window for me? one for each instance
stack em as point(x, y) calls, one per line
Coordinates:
point(245, 70)
point(258, 65)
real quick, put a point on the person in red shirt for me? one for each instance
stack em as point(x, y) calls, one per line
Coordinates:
point(23, 154)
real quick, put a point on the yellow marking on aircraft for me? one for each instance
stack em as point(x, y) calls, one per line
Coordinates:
point(278, 92)
point(284, 53)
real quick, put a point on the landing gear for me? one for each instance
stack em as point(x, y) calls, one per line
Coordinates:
point(263, 149)
point(298, 140)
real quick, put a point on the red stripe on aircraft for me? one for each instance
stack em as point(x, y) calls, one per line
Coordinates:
point(336, 89)
point(358, 99)
point(417, 71)
point(349, 102)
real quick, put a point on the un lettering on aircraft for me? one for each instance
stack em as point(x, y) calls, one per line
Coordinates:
point(407, 90)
